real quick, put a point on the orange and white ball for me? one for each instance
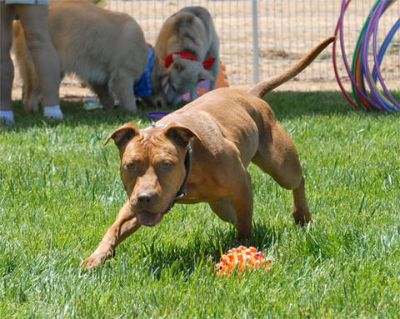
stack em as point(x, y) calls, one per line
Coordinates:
point(241, 259)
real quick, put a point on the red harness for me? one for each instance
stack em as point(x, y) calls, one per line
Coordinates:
point(207, 64)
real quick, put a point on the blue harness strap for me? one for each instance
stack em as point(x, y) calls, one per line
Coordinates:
point(143, 87)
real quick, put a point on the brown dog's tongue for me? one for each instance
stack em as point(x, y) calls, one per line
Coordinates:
point(149, 219)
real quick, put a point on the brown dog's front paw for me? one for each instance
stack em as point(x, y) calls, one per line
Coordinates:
point(94, 261)
point(302, 218)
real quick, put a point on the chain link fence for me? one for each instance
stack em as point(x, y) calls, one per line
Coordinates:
point(261, 37)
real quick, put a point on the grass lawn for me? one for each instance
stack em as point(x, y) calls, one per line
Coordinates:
point(60, 191)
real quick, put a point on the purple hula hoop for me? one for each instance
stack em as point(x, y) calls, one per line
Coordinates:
point(372, 98)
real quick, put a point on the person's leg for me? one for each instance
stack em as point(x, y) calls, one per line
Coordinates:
point(34, 19)
point(6, 64)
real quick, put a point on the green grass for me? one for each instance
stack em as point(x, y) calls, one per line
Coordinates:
point(60, 191)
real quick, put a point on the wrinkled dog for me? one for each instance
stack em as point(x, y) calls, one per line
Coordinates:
point(187, 51)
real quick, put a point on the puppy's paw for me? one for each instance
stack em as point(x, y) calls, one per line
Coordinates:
point(7, 118)
point(53, 113)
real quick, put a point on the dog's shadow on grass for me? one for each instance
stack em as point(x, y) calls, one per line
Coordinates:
point(286, 105)
point(188, 259)
point(75, 115)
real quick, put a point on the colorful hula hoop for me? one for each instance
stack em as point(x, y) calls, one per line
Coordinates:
point(364, 79)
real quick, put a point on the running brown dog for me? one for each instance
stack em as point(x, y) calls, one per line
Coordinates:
point(200, 153)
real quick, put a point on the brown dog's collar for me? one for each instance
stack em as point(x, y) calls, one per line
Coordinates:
point(182, 191)
point(188, 166)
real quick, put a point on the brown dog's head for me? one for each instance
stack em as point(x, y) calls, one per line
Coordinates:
point(152, 167)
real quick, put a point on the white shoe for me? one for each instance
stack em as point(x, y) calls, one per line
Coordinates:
point(7, 117)
point(53, 113)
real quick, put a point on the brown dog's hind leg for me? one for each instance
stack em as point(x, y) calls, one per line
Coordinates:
point(278, 157)
point(125, 224)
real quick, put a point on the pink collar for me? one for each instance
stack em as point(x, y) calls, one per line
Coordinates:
point(207, 64)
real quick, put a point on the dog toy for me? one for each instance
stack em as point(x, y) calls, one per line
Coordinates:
point(241, 259)
point(156, 115)
point(204, 86)
point(364, 79)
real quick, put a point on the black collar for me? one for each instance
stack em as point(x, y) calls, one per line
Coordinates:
point(188, 166)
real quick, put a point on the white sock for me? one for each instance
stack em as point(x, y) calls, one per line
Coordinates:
point(7, 117)
point(53, 112)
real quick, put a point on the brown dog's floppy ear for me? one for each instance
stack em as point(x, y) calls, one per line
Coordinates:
point(123, 135)
point(179, 134)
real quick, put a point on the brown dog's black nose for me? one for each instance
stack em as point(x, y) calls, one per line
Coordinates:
point(145, 198)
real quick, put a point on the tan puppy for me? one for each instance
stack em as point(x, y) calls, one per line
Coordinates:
point(200, 153)
point(187, 51)
point(107, 50)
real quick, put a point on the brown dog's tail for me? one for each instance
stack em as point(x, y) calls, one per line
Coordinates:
point(268, 85)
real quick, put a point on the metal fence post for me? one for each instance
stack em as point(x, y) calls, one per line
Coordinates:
point(256, 73)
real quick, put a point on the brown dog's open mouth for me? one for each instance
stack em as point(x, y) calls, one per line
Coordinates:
point(149, 219)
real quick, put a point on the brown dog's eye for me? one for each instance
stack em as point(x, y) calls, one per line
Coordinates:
point(130, 167)
point(166, 166)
